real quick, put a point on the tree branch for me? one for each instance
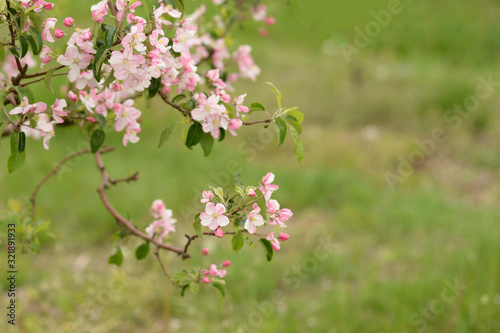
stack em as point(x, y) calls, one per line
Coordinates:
point(258, 122)
point(55, 170)
point(123, 221)
point(157, 255)
point(164, 96)
point(27, 76)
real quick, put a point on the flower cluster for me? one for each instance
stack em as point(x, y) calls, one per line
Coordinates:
point(264, 210)
point(213, 273)
point(163, 223)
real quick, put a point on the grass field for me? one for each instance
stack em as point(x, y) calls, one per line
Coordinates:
point(418, 254)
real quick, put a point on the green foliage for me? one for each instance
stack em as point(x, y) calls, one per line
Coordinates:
point(96, 140)
point(165, 134)
point(17, 155)
point(237, 241)
point(117, 258)
point(142, 251)
point(268, 248)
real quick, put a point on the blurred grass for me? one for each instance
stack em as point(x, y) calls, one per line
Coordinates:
point(392, 251)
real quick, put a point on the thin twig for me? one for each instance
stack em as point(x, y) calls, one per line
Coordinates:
point(123, 221)
point(157, 255)
point(40, 79)
point(27, 76)
point(164, 96)
point(128, 179)
point(258, 122)
point(55, 170)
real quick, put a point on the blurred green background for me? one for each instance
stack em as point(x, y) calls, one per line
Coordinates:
point(365, 254)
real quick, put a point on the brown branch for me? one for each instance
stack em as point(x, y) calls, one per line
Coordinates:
point(123, 221)
point(40, 79)
point(157, 255)
point(55, 170)
point(27, 76)
point(258, 122)
point(128, 179)
point(206, 233)
point(164, 96)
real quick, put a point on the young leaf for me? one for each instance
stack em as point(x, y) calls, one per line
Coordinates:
point(24, 46)
point(96, 140)
point(237, 241)
point(220, 289)
point(25, 92)
point(257, 107)
point(165, 134)
point(33, 44)
point(299, 147)
point(101, 120)
point(22, 142)
point(281, 129)
point(48, 79)
point(277, 92)
point(154, 86)
point(14, 52)
point(184, 289)
point(222, 134)
point(109, 36)
point(142, 251)
point(37, 33)
point(293, 121)
point(116, 258)
point(194, 288)
point(178, 98)
point(207, 143)
point(194, 135)
point(16, 159)
point(268, 248)
point(299, 116)
point(98, 60)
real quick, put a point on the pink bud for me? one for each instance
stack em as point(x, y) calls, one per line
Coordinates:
point(270, 20)
point(205, 272)
point(263, 32)
point(226, 263)
point(204, 251)
point(205, 280)
point(48, 6)
point(86, 36)
point(58, 33)
point(219, 233)
point(117, 87)
point(251, 193)
point(91, 120)
point(72, 96)
point(283, 237)
point(69, 21)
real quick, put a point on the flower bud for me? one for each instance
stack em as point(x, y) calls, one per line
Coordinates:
point(72, 96)
point(48, 6)
point(219, 233)
point(117, 87)
point(91, 120)
point(283, 237)
point(205, 280)
point(251, 193)
point(204, 251)
point(270, 20)
point(226, 263)
point(58, 33)
point(69, 21)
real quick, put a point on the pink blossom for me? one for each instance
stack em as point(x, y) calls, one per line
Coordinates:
point(131, 134)
point(239, 107)
point(25, 107)
point(44, 56)
point(247, 67)
point(270, 20)
point(72, 97)
point(50, 23)
point(213, 216)
point(91, 120)
point(100, 10)
point(125, 63)
point(117, 87)
point(267, 187)
point(205, 280)
point(234, 125)
point(161, 43)
point(226, 263)
point(207, 196)
point(285, 214)
point(214, 122)
point(259, 12)
point(220, 53)
point(207, 106)
point(126, 115)
point(75, 60)
point(46, 128)
point(216, 272)
point(254, 219)
point(86, 79)
point(58, 33)
point(58, 110)
point(263, 32)
point(135, 38)
point(275, 243)
point(219, 233)
point(218, 2)
point(69, 21)
point(164, 223)
point(251, 193)
point(204, 251)
point(182, 41)
point(283, 237)
point(157, 209)
point(274, 213)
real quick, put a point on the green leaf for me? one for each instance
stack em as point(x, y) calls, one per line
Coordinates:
point(192, 104)
point(165, 134)
point(48, 79)
point(294, 112)
point(37, 33)
point(207, 143)
point(220, 289)
point(179, 276)
point(25, 92)
point(110, 79)
point(299, 147)
point(22, 142)
point(277, 92)
point(14, 52)
point(16, 159)
point(293, 121)
point(24, 46)
point(142, 251)
point(33, 44)
point(240, 191)
point(154, 86)
point(178, 97)
point(109, 36)
point(268, 248)
point(184, 289)
point(194, 288)
point(35, 19)
point(257, 107)
point(197, 226)
point(194, 135)
point(238, 241)
point(179, 4)
point(222, 134)
point(101, 120)
point(98, 60)
point(116, 258)
point(281, 129)
point(96, 140)
point(2, 54)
